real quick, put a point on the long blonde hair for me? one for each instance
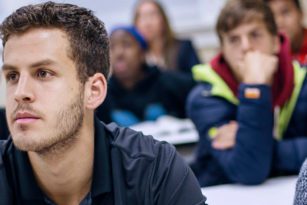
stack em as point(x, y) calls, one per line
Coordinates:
point(170, 47)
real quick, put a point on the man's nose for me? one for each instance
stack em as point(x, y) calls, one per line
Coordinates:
point(24, 92)
point(117, 51)
point(279, 21)
point(246, 44)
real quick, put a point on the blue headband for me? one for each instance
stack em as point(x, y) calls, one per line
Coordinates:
point(134, 33)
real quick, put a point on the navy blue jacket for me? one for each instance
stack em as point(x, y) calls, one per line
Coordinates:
point(256, 154)
point(144, 171)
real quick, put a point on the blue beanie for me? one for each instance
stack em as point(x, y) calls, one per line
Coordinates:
point(134, 33)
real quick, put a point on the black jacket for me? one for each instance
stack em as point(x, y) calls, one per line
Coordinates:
point(158, 93)
point(143, 171)
point(4, 131)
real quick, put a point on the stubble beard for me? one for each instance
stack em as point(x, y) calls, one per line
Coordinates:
point(68, 125)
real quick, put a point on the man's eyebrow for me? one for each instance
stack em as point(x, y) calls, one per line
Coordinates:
point(7, 67)
point(34, 65)
point(42, 63)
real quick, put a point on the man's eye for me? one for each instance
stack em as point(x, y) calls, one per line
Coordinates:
point(11, 77)
point(43, 74)
point(285, 12)
point(233, 39)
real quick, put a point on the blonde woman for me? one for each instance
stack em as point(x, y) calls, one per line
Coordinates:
point(165, 50)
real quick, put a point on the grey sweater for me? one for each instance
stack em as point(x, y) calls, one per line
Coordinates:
point(301, 186)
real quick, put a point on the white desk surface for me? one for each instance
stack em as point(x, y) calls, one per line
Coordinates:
point(275, 191)
point(173, 130)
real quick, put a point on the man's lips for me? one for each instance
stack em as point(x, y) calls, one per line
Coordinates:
point(25, 117)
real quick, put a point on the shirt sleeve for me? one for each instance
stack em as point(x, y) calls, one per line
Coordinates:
point(290, 154)
point(249, 161)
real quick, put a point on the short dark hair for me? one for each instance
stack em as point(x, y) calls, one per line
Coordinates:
point(236, 12)
point(296, 3)
point(87, 36)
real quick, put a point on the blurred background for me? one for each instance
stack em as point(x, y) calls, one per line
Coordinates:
point(194, 19)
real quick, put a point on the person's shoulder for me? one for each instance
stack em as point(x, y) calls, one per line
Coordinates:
point(301, 185)
point(202, 104)
point(201, 90)
point(184, 41)
point(185, 44)
point(152, 167)
point(304, 168)
point(135, 144)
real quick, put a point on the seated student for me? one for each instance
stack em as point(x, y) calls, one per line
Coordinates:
point(138, 91)
point(289, 18)
point(301, 186)
point(55, 62)
point(165, 50)
point(250, 106)
point(4, 133)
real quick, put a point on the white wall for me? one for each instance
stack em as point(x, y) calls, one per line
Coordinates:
point(189, 18)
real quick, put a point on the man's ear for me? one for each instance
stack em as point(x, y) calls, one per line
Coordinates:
point(95, 91)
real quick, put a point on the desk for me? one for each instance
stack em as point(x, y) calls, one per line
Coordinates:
point(170, 129)
point(275, 191)
point(179, 132)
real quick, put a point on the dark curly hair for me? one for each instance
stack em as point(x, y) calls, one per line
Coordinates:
point(87, 36)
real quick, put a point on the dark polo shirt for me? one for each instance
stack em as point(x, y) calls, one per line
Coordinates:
point(4, 131)
point(144, 172)
point(101, 190)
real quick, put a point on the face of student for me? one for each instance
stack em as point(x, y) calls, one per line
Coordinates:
point(252, 36)
point(127, 56)
point(44, 96)
point(287, 17)
point(149, 21)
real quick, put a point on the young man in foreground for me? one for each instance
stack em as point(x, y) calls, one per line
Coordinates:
point(56, 62)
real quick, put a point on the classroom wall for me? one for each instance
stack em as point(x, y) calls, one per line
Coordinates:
point(189, 19)
point(204, 36)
